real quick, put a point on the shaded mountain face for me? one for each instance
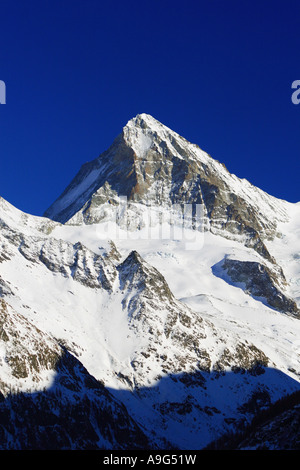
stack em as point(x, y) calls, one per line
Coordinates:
point(275, 428)
point(118, 342)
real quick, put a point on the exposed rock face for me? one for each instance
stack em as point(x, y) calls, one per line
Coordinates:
point(27, 352)
point(71, 260)
point(261, 282)
point(150, 164)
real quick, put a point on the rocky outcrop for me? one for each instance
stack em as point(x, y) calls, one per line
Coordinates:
point(175, 336)
point(259, 281)
point(29, 355)
point(71, 260)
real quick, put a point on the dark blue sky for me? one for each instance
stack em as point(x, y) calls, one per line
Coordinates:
point(218, 72)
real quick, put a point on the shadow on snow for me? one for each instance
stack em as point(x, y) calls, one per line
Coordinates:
point(183, 411)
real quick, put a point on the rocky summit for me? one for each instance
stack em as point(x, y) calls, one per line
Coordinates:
point(155, 305)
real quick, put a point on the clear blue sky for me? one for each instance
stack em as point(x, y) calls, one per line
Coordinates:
point(218, 72)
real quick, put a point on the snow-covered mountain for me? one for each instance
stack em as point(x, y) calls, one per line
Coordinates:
point(158, 299)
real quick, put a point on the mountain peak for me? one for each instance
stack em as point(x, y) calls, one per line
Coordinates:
point(142, 132)
point(144, 120)
point(142, 117)
point(150, 164)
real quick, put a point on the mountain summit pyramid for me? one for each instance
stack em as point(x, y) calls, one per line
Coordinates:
point(150, 164)
point(115, 333)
